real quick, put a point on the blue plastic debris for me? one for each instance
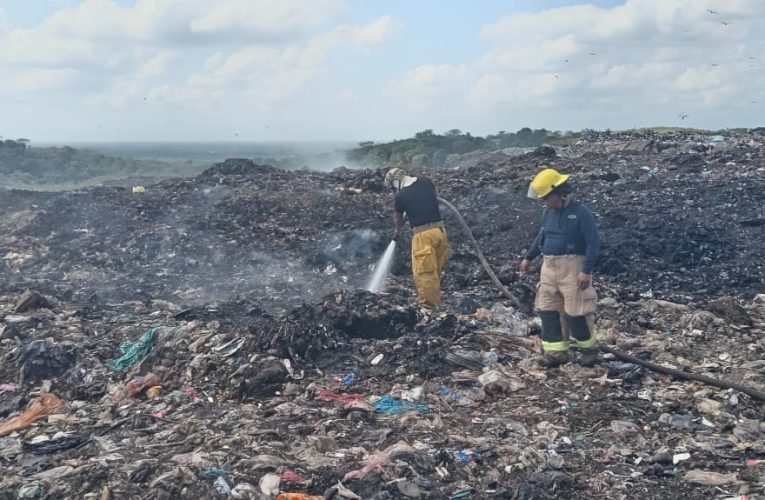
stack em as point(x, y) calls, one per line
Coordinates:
point(395, 406)
point(466, 455)
point(214, 472)
point(346, 379)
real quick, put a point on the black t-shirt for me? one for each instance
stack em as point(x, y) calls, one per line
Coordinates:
point(419, 202)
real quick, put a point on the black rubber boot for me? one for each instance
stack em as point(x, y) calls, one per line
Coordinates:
point(589, 356)
point(554, 359)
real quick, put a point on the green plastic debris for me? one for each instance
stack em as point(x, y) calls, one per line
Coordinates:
point(132, 352)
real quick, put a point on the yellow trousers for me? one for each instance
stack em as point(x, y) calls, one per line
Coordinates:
point(559, 292)
point(430, 249)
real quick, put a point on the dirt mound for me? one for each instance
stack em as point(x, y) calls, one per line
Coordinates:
point(237, 166)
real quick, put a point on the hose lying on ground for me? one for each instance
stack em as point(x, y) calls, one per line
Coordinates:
point(478, 252)
point(723, 384)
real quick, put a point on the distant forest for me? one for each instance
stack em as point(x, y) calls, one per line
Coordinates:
point(64, 167)
point(57, 168)
point(427, 148)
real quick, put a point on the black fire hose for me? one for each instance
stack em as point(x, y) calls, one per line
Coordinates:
point(722, 384)
point(478, 252)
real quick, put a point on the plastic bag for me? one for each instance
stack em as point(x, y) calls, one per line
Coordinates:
point(624, 429)
point(707, 478)
point(47, 404)
point(376, 460)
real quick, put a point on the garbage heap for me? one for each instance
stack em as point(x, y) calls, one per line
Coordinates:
point(207, 337)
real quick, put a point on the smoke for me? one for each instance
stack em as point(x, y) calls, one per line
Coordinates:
point(350, 249)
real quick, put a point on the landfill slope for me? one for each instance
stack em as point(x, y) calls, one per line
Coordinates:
point(240, 290)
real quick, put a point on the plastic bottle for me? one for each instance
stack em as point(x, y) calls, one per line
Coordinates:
point(140, 384)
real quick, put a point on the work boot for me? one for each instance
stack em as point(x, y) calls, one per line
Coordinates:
point(554, 359)
point(589, 356)
point(425, 317)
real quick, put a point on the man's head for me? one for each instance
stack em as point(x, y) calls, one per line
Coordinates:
point(397, 179)
point(551, 186)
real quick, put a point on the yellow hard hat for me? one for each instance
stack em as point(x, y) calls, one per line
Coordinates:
point(544, 183)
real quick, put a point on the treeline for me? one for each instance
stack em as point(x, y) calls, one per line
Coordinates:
point(427, 148)
point(24, 166)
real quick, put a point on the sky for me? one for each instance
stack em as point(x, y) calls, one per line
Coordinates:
point(355, 70)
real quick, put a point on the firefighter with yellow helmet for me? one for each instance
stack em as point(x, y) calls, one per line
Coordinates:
point(569, 243)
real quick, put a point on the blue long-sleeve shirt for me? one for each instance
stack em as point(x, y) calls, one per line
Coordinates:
point(571, 230)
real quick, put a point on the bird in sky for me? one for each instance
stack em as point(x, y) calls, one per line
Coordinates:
point(725, 23)
point(593, 53)
point(682, 116)
point(712, 11)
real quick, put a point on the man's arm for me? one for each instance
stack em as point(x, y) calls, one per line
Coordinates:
point(589, 227)
point(534, 250)
point(398, 224)
point(536, 246)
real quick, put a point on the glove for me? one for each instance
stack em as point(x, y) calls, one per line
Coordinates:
point(396, 235)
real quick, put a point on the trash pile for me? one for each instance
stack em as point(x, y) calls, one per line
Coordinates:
point(209, 337)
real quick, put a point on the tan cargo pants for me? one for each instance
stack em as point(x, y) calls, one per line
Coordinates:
point(559, 291)
point(430, 249)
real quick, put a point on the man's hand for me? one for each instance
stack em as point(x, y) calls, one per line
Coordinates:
point(396, 235)
point(584, 280)
point(525, 266)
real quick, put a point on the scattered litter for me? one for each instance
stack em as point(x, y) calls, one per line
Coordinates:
point(376, 460)
point(31, 490)
point(269, 484)
point(345, 379)
point(709, 478)
point(624, 429)
point(133, 352)
point(230, 348)
point(394, 406)
point(272, 361)
point(221, 486)
point(139, 384)
point(54, 445)
point(47, 404)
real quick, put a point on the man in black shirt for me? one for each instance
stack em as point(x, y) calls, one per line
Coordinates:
point(416, 197)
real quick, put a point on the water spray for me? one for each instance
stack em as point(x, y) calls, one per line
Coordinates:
point(382, 268)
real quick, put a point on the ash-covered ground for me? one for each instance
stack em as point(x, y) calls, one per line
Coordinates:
point(278, 374)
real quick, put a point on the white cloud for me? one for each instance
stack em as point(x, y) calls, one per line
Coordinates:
point(5, 23)
point(265, 50)
point(266, 75)
point(262, 16)
point(429, 83)
point(35, 80)
point(642, 53)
